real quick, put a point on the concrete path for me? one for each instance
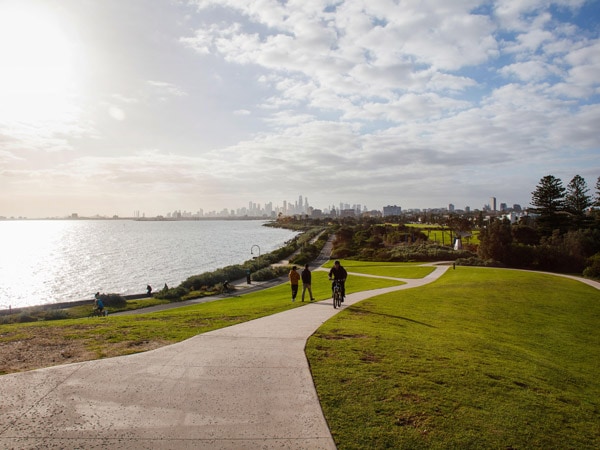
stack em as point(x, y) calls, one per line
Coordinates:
point(247, 386)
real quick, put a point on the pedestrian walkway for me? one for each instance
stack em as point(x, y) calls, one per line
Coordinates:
point(243, 387)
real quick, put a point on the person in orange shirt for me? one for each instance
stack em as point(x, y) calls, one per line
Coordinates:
point(294, 277)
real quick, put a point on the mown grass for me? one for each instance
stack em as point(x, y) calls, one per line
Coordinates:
point(435, 234)
point(387, 269)
point(482, 358)
point(119, 335)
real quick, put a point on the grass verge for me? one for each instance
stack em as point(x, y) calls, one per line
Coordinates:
point(482, 358)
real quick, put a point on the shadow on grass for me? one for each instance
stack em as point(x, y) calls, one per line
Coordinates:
point(358, 310)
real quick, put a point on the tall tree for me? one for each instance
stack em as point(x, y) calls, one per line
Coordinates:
point(495, 241)
point(548, 200)
point(598, 192)
point(577, 199)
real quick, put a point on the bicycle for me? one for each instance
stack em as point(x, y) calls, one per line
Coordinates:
point(227, 288)
point(99, 312)
point(337, 294)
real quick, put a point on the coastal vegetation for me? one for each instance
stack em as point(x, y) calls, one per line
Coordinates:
point(559, 233)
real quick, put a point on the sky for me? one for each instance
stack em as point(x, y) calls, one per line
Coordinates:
point(115, 106)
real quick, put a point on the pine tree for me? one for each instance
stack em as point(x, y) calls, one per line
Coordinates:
point(549, 196)
point(577, 200)
point(548, 200)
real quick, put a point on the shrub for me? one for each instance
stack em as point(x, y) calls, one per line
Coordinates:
point(172, 294)
point(114, 300)
point(270, 273)
point(593, 267)
point(475, 261)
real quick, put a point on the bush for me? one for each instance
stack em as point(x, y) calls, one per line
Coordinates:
point(173, 294)
point(114, 300)
point(593, 267)
point(475, 261)
point(270, 273)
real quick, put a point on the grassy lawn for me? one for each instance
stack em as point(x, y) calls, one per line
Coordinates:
point(434, 234)
point(482, 358)
point(119, 335)
point(387, 269)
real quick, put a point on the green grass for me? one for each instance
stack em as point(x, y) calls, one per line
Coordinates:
point(387, 269)
point(482, 358)
point(435, 234)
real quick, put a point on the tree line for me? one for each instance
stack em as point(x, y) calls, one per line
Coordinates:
point(561, 232)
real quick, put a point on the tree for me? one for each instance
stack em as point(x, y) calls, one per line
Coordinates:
point(495, 241)
point(576, 198)
point(548, 200)
point(598, 192)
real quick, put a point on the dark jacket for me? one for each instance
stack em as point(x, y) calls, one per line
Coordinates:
point(338, 273)
point(306, 276)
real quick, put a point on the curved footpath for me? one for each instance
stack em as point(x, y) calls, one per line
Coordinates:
point(245, 386)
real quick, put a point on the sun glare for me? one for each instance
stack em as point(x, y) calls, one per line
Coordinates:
point(37, 73)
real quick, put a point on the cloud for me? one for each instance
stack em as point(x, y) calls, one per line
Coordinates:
point(418, 103)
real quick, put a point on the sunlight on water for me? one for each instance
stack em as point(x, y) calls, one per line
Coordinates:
point(50, 261)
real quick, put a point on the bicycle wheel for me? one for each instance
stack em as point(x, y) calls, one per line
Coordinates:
point(337, 300)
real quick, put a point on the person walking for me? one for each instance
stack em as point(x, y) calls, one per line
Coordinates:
point(338, 273)
point(307, 283)
point(294, 277)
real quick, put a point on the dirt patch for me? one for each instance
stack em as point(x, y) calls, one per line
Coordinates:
point(49, 349)
point(38, 352)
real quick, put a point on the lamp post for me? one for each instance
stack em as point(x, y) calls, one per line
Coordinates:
point(252, 253)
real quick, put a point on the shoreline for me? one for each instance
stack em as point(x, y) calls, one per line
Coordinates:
point(62, 305)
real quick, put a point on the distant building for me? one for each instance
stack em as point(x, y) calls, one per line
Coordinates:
point(493, 204)
point(392, 211)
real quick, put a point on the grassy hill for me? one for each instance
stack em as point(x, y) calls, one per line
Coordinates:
point(482, 358)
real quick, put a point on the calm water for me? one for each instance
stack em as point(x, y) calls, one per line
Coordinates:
point(58, 260)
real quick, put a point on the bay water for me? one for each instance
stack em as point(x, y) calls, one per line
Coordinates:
point(48, 261)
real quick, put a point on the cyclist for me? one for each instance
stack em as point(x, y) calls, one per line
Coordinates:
point(338, 273)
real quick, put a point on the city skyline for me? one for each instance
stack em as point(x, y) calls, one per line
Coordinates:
point(110, 107)
point(300, 207)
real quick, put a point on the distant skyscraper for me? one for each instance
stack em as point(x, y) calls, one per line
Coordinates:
point(493, 204)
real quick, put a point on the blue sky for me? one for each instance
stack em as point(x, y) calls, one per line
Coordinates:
point(110, 107)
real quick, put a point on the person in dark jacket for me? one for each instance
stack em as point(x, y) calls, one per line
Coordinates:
point(307, 283)
point(338, 273)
